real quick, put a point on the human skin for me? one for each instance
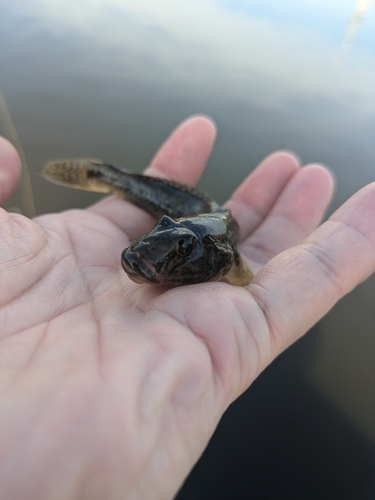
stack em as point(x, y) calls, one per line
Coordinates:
point(111, 390)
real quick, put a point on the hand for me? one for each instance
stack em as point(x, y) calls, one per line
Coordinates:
point(111, 389)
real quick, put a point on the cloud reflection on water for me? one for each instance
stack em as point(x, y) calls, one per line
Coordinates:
point(214, 46)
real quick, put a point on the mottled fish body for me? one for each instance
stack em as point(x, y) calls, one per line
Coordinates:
point(193, 241)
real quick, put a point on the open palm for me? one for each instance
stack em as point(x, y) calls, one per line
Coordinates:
point(111, 389)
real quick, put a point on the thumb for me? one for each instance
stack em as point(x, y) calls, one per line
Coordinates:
point(299, 286)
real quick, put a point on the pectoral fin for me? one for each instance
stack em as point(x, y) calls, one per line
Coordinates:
point(239, 274)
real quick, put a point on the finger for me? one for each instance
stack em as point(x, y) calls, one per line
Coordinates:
point(184, 154)
point(10, 169)
point(255, 197)
point(297, 212)
point(300, 285)
point(181, 158)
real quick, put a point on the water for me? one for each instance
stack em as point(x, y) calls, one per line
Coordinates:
point(111, 79)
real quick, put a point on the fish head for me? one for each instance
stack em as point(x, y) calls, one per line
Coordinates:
point(178, 252)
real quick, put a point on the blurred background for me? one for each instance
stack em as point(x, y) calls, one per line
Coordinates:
point(111, 78)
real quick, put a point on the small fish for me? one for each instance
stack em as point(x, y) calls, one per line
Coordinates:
point(193, 241)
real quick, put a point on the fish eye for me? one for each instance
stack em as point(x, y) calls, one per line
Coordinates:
point(186, 244)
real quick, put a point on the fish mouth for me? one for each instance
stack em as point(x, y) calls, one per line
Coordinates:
point(138, 268)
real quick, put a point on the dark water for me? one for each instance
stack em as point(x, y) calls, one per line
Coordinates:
point(111, 79)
